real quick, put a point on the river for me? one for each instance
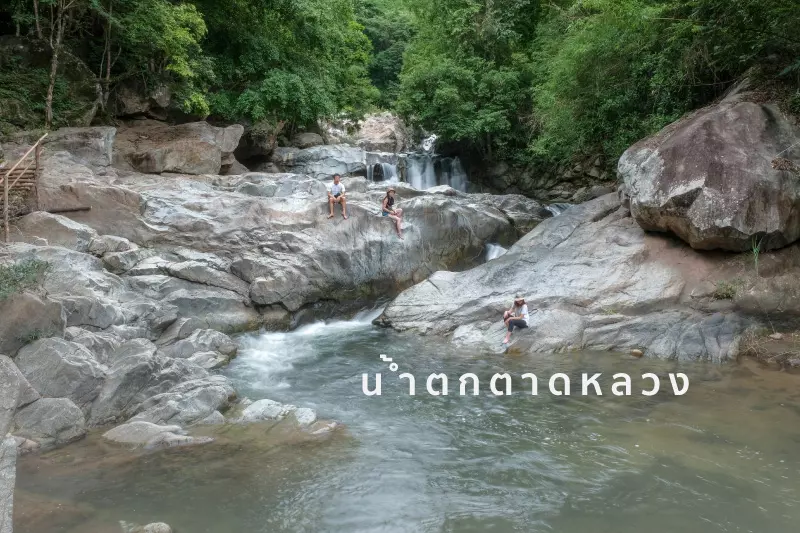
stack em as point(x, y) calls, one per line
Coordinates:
point(721, 458)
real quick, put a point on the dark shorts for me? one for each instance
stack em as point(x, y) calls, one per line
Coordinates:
point(337, 195)
point(386, 213)
point(516, 323)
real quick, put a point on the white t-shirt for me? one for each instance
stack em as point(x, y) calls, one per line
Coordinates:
point(523, 313)
point(337, 188)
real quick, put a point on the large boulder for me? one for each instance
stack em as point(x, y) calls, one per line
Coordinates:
point(724, 177)
point(322, 162)
point(307, 140)
point(27, 316)
point(195, 148)
point(57, 230)
point(15, 392)
point(50, 422)
point(592, 279)
point(62, 369)
point(383, 132)
point(91, 146)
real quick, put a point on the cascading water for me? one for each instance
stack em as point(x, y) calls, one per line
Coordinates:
point(493, 251)
point(557, 208)
point(420, 171)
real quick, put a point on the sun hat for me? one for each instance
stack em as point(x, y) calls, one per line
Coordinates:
point(391, 189)
point(519, 298)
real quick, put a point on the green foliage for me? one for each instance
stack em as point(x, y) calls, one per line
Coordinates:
point(467, 74)
point(389, 27)
point(284, 60)
point(18, 277)
point(727, 290)
point(545, 84)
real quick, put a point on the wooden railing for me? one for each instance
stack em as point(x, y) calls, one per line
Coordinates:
point(22, 179)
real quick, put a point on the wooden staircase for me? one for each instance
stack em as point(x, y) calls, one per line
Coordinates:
point(19, 183)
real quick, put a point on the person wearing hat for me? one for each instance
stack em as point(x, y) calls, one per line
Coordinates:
point(517, 317)
point(388, 210)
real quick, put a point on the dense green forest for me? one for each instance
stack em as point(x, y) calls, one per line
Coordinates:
point(524, 81)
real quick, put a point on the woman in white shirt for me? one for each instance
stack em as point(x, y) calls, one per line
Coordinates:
point(517, 317)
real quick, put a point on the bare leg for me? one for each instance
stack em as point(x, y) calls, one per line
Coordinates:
point(397, 222)
point(330, 204)
point(344, 207)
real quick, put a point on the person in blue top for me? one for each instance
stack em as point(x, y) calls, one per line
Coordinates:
point(388, 210)
point(516, 317)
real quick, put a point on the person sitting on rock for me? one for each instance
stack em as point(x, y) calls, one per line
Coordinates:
point(388, 210)
point(337, 196)
point(517, 317)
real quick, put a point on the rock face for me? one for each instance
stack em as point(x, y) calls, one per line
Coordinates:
point(60, 231)
point(322, 162)
point(723, 177)
point(61, 369)
point(592, 280)
point(8, 461)
point(50, 422)
point(27, 316)
point(383, 132)
point(196, 148)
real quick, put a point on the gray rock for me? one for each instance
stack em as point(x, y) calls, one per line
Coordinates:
point(265, 410)
point(203, 340)
point(104, 244)
point(122, 262)
point(151, 436)
point(217, 309)
point(198, 272)
point(195, 148)
point(50, 422)
point(383, 132)
point(715, 180)
point(61, 369)
point(27, 316)
point(92, 146)
point(209, 360)
point(102, 345)
point(321, 161)
point(139, 432)
point(307, 140)
point(56, 229)
point(8, 471)
point(214, 419)
point(15, 392)
point(188, 402)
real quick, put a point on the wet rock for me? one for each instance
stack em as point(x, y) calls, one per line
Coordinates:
point(188, 402)
point(27, 316)
point(61, 369)
point(57, 229)
point(50, 422)
point(710, 179)
point(209, 360)
point(152, 436)
point(156, 527)
point(204, 340)
point(272, 410)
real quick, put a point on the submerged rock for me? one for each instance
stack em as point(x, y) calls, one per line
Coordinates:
point(713, 178)
point(151, 436)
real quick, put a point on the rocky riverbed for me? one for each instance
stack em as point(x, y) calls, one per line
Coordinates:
point(137, 290)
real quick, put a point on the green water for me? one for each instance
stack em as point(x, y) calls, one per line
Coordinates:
point(721, 458)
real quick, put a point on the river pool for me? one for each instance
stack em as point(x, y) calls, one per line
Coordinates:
point(721, 458)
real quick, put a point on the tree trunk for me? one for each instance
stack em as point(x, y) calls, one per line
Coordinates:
point(56, 47)
point(36, 17)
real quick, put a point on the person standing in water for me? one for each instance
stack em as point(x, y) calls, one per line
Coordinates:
point(388, 210)
point(337, 196)
point(517, 317)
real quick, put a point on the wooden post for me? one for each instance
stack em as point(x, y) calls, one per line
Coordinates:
point(36, 173)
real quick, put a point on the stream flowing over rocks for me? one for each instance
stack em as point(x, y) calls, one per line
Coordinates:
point(163, 256)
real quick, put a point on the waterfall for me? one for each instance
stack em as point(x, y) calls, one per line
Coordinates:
point(557, 208)
point(383, 166)
point(424, 171)
point(420, 171)
point(493, 251)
